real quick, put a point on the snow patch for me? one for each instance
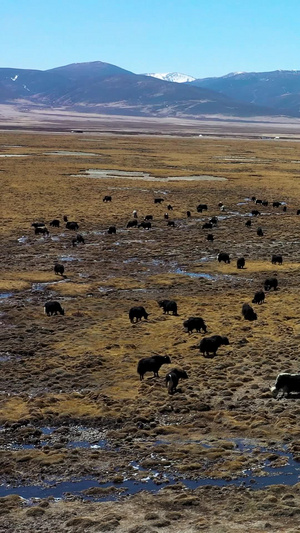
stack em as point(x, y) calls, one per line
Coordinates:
point(175, 77)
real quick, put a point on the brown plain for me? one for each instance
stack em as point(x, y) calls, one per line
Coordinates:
point(81, 368)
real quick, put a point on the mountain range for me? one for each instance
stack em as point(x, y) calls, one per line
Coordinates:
point(279, 89)
point(104, 88)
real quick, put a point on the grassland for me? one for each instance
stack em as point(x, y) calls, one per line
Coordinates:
point(80, 369)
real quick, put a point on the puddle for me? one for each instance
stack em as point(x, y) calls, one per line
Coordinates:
point(14, 155)
point(23, 239)
point(196, 178)
point(39, 286)
point(205, 275)
point(66, 152)
point(131, 260)
point(47, 430)
point(4, 295)
point(99, 173)
point(211, 277)
point(106, 289)
point(69, 258)
point(6, 356)
point(261, 476)
point(207, 258)
point(242, 160)
point(154, 481)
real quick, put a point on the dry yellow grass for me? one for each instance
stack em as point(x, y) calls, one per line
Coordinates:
point(109, 274)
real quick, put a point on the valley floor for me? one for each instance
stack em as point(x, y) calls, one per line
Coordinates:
point(77, 424)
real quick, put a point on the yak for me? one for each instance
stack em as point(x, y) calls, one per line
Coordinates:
point(173, 377)
point(152, 364)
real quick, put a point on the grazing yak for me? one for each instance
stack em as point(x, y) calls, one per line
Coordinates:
point(132, 224)
point(260, 232)
point(38, 224)
point(111, 230)
point(171, 223)
point(173, 377)
point(201, 207)
point(188, 213)
point(248, 223)
point(284, 209)
point(253, 198)
point(107, 199)
point(240, 262)
point(152, 364)
point(248, 312)
point(220, 204)
point(55, 223)
point(211, 344)
point(145, 225)
point(158, 200)
point(214, 220)
point(207, 225)
point(223, 256)
point(258, 201)
point(276, 259)
point(195, 322)
point(80, 239)
point(265, 203)
point(276, 204)
point(65, 218)
point(52, 308)
point(298, 212)
point(255, 213)
point(286, 383)
point(271, 283)
point(169, 306)
point(166, 216)
point(148, 217)
point(259, 297)
point(72, 225)
point(138, 313)
point(170, 207)
point(41, 231)
point(210, 237)
point(59, 269)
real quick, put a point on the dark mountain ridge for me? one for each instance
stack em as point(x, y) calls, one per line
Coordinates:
point(101, 86)
point(279, 89)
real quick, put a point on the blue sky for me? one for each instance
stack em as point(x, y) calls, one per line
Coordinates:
point(197, 37)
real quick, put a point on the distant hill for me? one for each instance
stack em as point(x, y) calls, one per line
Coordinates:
point(105, 88)
point(175, 77)
point(279, 89)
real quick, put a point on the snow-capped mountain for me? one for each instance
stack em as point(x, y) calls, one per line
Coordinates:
point(104, 88)
point(176, 77)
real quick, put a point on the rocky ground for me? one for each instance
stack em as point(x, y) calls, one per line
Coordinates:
point(76, 422)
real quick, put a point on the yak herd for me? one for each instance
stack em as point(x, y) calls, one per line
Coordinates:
point(285, 383)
